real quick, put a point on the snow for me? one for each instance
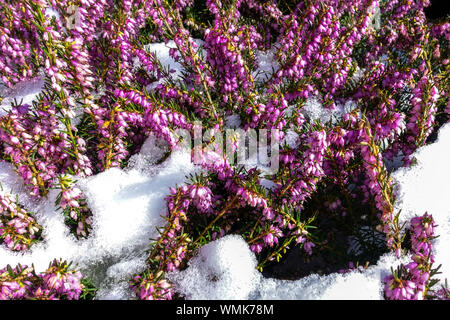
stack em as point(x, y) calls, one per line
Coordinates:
point(395, 163)
point(376, 16)
point(424, 187)
point(11, 182)
point(151, 151)
point(226, 269)
point(314, 110)
point(161, 50)
point(223, 269)
point(268, 184)
point(267, 65)
point(355, 285)
point(52, 13)
point(358, 75)
point(116, 283)
point(264, 158)
point(127, 205)
point(291, 138)
point(26, 91)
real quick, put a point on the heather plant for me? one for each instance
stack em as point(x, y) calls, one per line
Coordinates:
point(414, 280)
point(18, 228)
point(58, 282)
point(105, 92)
point(74, 207)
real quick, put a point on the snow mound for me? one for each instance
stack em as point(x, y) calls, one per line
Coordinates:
point(226, 269)
point(424, 187)
point(354, 285)
point(116, 283)
point(151, 152)
point(291, 138)
point(223, 269)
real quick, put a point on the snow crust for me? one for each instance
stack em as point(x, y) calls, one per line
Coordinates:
point(267, 64)
point(223, 269)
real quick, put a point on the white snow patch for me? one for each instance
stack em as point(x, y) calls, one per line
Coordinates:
point(355, 285)
point(376, 16)
point(259, 158)
point(359, 74)
point(151, 151)
point(161, 50)
point(267, 65)
point(11, 182)
point(233, 121)
point(254, 151)
point(26, 92)
point(314, 109)
point(395, 163)
point(425, 187)
point(291, 138)
point(52, 13)
point(223, 269)
point(116, 283)
point(268, 184)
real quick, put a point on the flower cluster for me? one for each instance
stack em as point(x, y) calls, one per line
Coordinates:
point(18, 228)
point(58, 282)
point(226, 46)
point(380, 186)
point(18, 43)
point(413, 281)
point(73, 204)
point(152, 287)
